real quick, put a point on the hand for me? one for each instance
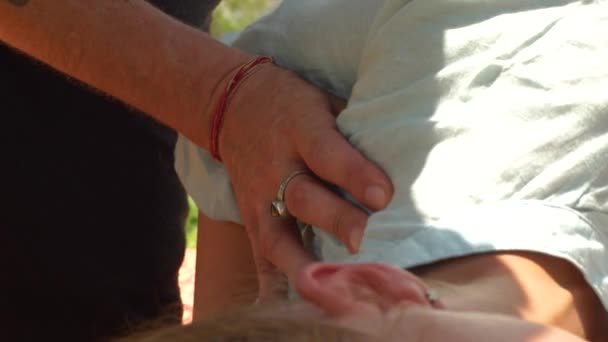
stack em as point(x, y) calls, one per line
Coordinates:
point(276, 124)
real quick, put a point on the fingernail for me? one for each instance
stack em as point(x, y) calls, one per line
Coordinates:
point(375, 196)
point(356, 235)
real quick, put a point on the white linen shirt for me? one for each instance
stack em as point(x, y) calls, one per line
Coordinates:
point(490, 117)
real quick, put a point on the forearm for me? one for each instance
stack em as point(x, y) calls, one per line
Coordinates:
point(129, 50)
point(529, 286)
point(225, 270)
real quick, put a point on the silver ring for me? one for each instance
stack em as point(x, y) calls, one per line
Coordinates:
point(278, 208)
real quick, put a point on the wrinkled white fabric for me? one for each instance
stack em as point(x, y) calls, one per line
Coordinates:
point(490, 117)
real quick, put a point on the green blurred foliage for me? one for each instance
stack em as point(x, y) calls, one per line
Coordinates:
point(234, 15)
point(191, 224)
point(230, 16)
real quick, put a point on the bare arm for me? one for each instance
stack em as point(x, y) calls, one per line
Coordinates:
point(158, 65)
point(225, 270)
point(135, 53)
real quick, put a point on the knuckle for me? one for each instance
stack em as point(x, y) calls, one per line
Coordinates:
point(339, 227)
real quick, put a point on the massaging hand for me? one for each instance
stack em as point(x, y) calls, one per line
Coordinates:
point(274, 125)
point(277, 124)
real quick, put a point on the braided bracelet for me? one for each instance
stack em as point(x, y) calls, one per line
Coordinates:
point(242, 73)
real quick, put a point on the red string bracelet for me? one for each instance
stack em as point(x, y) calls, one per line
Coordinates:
point(218, 115)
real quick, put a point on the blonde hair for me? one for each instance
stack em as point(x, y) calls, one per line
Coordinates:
point(254, 324)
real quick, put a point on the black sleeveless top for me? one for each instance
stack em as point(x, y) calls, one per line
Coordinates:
point(92, 213)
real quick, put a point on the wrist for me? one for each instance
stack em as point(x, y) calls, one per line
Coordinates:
point(210, 80)
point(231, 86)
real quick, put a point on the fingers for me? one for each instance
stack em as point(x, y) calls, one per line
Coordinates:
point(333, 158)
point(272, 283)
point(278, 242)
point(278, 254)
point(273, 286)
point(315, 204)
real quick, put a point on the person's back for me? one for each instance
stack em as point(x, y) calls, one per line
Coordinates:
point(91, 224)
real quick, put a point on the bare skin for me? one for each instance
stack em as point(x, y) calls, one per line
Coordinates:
point(226, 284)
point(389, 304)
point(275, 124)
point(527, 286)
point(534, 287)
